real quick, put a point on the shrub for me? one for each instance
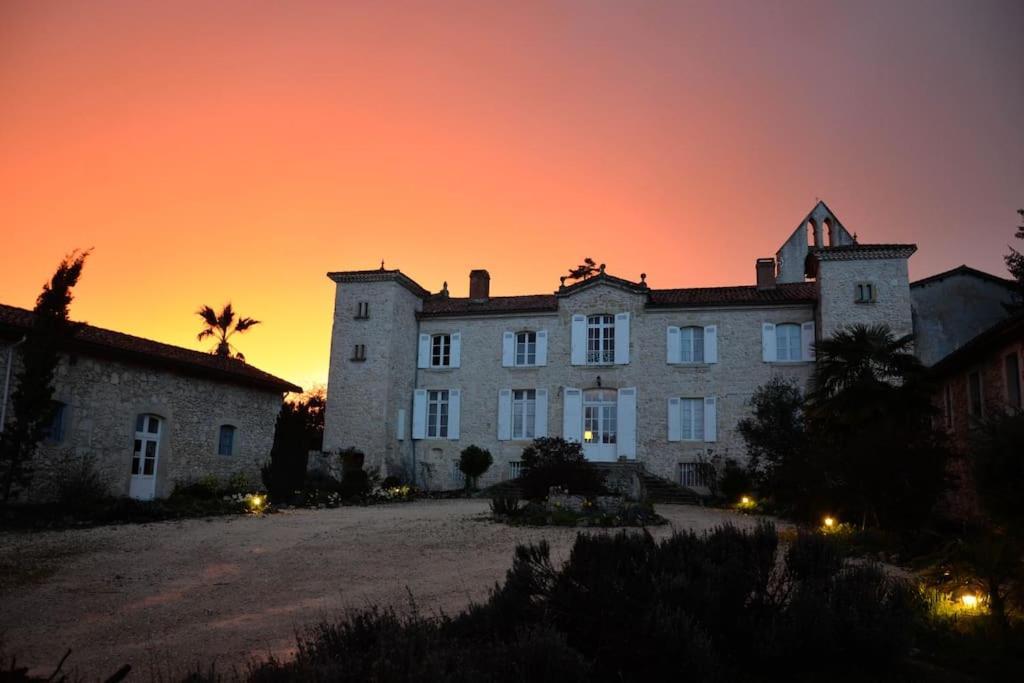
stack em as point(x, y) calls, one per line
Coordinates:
point(391, 482)
point(78, 485)
point(734, 481)
point(351, 459)
point(553, 461)
point(473, 462)
point(505, 506)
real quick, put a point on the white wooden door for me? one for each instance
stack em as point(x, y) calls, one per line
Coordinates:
point(145, 457)
point(600, 424)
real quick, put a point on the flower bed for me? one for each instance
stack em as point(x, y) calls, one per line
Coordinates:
point(564, 509)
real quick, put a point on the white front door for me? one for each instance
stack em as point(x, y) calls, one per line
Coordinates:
point(145, 457)
point(600, 424)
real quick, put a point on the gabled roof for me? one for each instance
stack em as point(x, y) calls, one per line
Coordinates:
point(750, 295)
point(90, 340)
point(603, 278)
point(968, 271)
point(1004, 332)
point(440, 306)
point(380, 275)
point(851, 252)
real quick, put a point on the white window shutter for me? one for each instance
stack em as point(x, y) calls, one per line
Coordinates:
point(454, 401)
point(419, 413)
point(711, 344)
point(424, 355)
point(768, 352)
point(508, 349)
point(504, 414)
point(542, 347)
point(807, 339)
point(456, 349)
point(673, 352)
point(710, 419)
point(579, 340)
point(626, 438)
point(621, 338)
point(540, 422)
point(674, 430)
point(400, 425)
point(572, 414)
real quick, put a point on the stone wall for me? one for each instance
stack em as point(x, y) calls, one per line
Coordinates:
point(837, 305)
point(103, 398)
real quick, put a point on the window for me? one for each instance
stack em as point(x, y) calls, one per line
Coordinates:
point(359, 352)
point(692, 339)
point(864, 293)
point(226, 440)
point(600, 339)
point(437, 414)
point(692, 423)
point(524, 413)
point(147, 436)
point(600, 416)
point(1011, 364)
point(947, 406)
point(974, 404)
point(440, 351)
point(526, 348)
point(693, 474)
point(54, 431)
point(363, 310)
point(787, 342)
point(458, 478)
point(515, 469)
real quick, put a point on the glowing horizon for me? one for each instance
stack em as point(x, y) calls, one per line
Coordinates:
point(240, 151)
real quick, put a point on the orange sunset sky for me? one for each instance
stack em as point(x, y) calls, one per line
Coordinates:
point(215, 151)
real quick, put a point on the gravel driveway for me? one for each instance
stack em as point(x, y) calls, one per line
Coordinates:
point(165, 596)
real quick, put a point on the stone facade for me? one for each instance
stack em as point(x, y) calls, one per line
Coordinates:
point(371, 402)
point(103, 395)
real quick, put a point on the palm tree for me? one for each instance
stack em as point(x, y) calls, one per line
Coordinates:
point(223, 326)
point(863, 357)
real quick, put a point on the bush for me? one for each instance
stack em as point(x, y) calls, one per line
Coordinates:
point(352, 459)
point(78, 485)
point(391, 482)
point(505, 506)
point(734, 481)
point(553, 461)
point(473, 462)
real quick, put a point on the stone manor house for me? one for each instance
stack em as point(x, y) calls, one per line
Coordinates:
point(658, 376)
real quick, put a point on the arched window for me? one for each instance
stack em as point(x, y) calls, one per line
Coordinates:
point(787, 342)
point(226, 440)
point(601, 339)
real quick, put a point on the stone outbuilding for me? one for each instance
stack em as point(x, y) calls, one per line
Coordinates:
point(148, 415)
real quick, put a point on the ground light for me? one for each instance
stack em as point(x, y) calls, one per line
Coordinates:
point(746, 503)
point(969, 600)
point(830, 523)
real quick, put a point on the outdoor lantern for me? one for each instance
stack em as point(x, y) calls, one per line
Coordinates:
point(829, 522)
point(588, 436)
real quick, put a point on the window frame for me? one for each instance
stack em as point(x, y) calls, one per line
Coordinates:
point(600, 339)
point(56, 429)
point(696, 333)
point(1014, 399)
point(220, 439)
point(362, 310)
point(441, 350)
point(694, 430)
point(862, 288)
point(526, 345)
point(975, 411)
point(779, 328)
point(438, 415)
point(524, 402)
point(947, 406)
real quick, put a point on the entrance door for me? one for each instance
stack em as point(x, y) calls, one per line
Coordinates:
point(600, 424)
point(145, 457)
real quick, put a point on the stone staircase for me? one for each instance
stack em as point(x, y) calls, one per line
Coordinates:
point(658, 490)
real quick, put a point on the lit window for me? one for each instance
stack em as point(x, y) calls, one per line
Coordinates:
point(692, 421)
point(226, 441)
point(974, 403)
point(524, 413)
point(600, 339)
point(526, 348)
point(441, 350)
point(787, 342)
point(864, 293)
point(437, 414)
point(692, 339)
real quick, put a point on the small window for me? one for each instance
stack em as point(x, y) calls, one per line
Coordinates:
point(1011, 365)
point(692, 339)
point(54, 431)
point(359, 352)
point(524, 413)
point(515, 469)
point(787, 342)
point(947, 406)
point(441, 351)
point(693, 474)
point(226, 440)
point(692, 421)
point(437, 414)
point(362, 310)
point(974, 402)
point(526, 348)
point(864, 293)
point(600, 339)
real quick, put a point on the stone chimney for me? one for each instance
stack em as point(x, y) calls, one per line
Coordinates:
point(766, 273)
point(479, 285)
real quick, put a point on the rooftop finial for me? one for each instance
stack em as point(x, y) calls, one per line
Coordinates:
point(382, 264)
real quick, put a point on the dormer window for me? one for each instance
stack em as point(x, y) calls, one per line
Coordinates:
point(600, 339)
point(864, 293)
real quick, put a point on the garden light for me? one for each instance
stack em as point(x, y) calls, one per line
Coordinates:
point(970, 600)
point(745, 500)
point(830, 522)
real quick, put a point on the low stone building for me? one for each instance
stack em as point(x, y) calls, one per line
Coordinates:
point(656, 376)
point(149, 415)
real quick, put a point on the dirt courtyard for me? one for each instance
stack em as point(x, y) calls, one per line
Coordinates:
point(163, 597)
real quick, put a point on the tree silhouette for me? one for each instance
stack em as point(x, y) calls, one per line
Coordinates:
point(222, 326)
point(584, 270)
point(1015, 260)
